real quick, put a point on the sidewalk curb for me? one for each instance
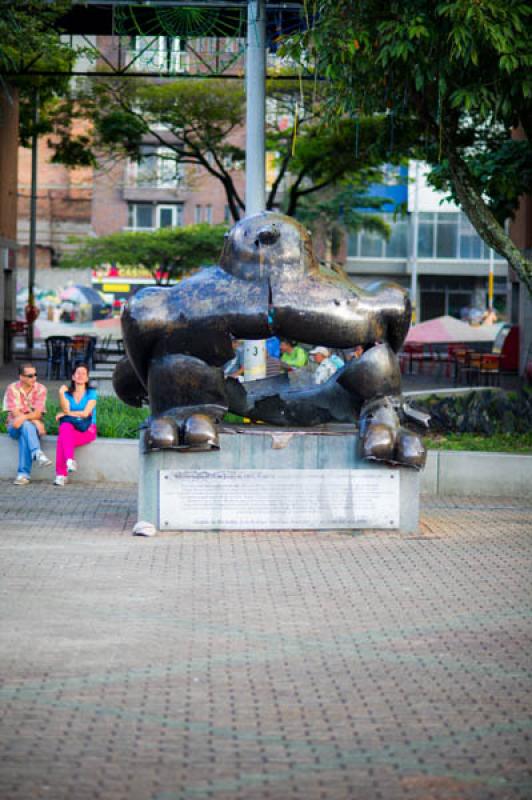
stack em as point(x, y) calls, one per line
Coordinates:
point(446, 473)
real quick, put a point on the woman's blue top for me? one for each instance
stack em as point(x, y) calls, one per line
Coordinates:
point(90, 394)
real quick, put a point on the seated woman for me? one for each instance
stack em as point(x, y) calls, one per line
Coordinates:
point(77, 421)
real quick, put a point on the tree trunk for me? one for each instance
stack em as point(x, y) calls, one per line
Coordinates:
point(482, 218)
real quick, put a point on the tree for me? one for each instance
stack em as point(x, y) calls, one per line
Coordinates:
point(460, 71)
point(167, 253)
point(201, 123)
point(29, 41)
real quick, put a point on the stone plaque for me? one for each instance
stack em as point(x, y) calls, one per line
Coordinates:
point(286, 499)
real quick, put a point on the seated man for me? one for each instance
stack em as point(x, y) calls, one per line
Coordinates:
point(327, 366)
point(25, 402)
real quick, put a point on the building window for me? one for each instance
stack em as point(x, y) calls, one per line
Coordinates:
point(157, 54)
point(147, 216)
point(208, 214)
point(198, 214)
point(169, 216)
point(372, 245)
point(158, 167)
point(445, 235)
point(140, 215)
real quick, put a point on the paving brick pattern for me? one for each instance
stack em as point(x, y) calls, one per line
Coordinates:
point(262, 665)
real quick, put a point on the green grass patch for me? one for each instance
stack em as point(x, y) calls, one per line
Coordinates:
point(115, 420)
point(498, 443)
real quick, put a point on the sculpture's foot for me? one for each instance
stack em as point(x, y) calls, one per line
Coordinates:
point(162, 433)
point(196, 432)
point(383, 439)
point(200, 433)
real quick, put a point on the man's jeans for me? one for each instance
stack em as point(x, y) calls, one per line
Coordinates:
point(28, 445)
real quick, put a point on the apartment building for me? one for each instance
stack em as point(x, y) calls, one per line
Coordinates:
point(453, 263)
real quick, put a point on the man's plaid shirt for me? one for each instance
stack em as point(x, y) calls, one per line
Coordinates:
point(17, 401)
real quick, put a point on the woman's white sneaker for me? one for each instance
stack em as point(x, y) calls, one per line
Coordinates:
point(71, 465)
point(60, 480)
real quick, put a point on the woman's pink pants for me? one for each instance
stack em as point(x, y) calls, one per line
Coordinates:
point(69, 438)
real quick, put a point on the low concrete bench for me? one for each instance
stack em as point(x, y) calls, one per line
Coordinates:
point(446, 472)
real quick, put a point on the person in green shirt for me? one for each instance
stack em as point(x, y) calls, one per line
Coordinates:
point(293, 356)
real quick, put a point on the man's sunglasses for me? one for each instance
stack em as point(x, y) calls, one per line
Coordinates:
point(29, 375)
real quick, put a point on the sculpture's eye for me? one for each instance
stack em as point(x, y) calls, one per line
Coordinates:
point(267, 236)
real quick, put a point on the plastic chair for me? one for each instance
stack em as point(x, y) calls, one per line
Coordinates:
point(458, 356)
point(58, 357)
point(103, 348)
point(490, 369)
point(411, 354)
point(82, 350)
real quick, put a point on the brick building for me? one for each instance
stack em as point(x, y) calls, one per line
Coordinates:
point(124, 195)
point(9, 115)
point(63, 206)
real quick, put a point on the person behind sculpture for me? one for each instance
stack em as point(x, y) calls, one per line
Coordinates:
point(293, 356)
point(77, 421)
point(235, 367)
point(327, 366)
point(25, 402)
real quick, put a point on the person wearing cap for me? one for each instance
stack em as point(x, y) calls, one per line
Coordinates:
point(293, 356)
point(25, 402)
point(326, 366)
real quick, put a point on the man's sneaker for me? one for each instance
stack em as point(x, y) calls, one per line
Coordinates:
point(42, 459)
point(71, 465)
point(21, 480)
point(60, 480)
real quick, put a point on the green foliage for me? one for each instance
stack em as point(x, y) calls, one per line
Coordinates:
point(29, 41)
point(503, 174)
point(175, 251)
point(203, 124)
point(459, 70)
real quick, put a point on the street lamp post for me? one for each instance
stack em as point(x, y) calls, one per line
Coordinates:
point(30, 307)
point(255, 351)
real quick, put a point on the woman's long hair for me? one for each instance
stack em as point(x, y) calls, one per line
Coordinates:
point(72, 387)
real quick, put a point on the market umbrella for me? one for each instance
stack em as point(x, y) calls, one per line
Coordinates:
point(86, 295)
point(448, 330)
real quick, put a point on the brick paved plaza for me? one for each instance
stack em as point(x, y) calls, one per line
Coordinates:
point(262, 665)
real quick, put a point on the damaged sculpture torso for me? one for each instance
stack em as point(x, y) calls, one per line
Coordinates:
point(268, 283)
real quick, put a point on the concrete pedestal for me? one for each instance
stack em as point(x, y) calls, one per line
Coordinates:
point(243, 449)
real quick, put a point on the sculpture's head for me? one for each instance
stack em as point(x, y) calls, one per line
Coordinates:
point(268, 243)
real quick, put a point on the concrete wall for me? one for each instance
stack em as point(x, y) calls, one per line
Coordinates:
point(446, 473)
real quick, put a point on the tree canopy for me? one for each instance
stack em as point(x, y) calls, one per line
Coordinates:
point(202, 123)
point(29, 40)
point(459, 70)
point(167, 253)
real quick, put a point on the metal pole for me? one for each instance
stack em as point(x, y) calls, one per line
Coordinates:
point(33, 220)
point(255, 107)
point(255, 351)
point(415, 240)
